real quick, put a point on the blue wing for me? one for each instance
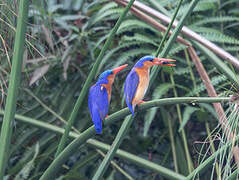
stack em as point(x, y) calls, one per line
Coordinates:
point(98, 105)
point(130, 87)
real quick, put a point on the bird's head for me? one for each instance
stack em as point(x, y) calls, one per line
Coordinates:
point(149, 61)
point(109, 75)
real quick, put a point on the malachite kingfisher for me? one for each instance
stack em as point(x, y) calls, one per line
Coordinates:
point(137, 81)
point(100, 95)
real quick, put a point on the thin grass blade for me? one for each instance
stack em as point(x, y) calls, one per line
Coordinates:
point(14, 82)
point(210, 160)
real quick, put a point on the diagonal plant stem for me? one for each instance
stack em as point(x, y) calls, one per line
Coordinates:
point(128, 120)
point(215, 60)
point(168, 29)
point(89, 79)
point(172, 141)
point(164, 54)
point(117, 141)
point(146, 18)
point(128, 156)
point(105, 147)
point(88, 133)
point(167, 173)
point(6, 130)
point(75, 130)
point(172, 38)
point(217, 106)
point(221, 66)
point(189, 33)
point(116, 166)
point(206, 124)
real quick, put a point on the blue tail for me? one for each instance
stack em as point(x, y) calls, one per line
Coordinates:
point(130, 107)
point(97, 121)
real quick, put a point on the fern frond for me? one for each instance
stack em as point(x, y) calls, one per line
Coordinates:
point(131, 54)
point(201, 87)
point(220, 37)
point(205, 5)
point(231, 48)
point(228, 2)
point(176, 49)
point(181, 71)
point(231, 25)
point(140, 37)
point(107, 6)
point(110, 53)
point(134, 25)
point(204, 29)
point(201, 6)
point(216, 20)
point(109, 13)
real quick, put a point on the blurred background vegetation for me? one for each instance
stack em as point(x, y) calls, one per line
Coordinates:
point(64, 37)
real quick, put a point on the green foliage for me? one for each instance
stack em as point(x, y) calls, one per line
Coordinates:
point(216, 80)
point(150, 115)
point(28, 167)
point(66, 37)
point(187, 115)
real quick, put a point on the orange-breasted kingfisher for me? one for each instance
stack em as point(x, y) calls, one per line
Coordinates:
point(137, 81)
point(100, 95)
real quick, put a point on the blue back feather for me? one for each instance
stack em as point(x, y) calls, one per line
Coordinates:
point(130, 87)
point(98, 105)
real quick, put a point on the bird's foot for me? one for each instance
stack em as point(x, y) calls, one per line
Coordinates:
point(137, 105)
point(140, 102)
point(103, 122)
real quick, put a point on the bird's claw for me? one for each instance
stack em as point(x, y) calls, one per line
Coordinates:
point(140, 102)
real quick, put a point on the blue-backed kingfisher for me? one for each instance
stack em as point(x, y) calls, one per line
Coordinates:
point(137, 81)
point(100, 95)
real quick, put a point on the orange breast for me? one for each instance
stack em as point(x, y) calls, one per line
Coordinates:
point(109, 85)
point(143, 74)
point(108, 88)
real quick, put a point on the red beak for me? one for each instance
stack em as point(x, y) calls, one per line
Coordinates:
point(118, 69)
point(163, 61)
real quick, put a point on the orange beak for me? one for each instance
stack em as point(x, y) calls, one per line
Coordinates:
point(118, 69)
point(163, 61)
